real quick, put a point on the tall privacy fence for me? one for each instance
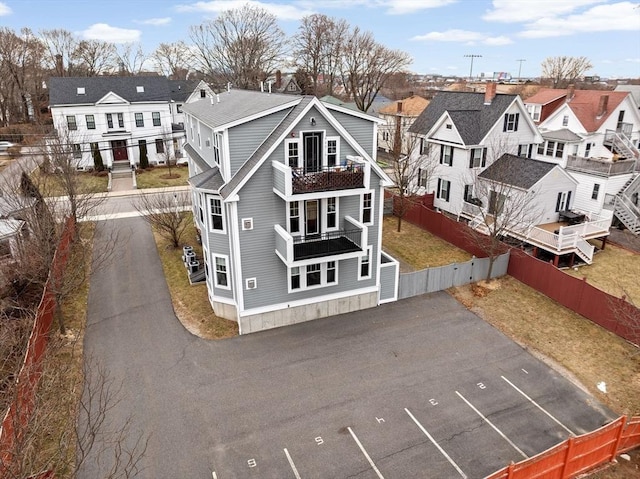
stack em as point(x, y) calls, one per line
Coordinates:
point(21, 408)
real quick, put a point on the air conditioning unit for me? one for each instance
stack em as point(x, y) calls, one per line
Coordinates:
point(194, 266)
point(188, 258)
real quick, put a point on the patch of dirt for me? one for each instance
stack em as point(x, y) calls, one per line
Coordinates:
point(483, 288)
point(168, 176)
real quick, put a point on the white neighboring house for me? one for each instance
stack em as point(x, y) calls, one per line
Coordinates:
point(463, 133)
point(398, 117)
point(595, 135)
point(121, 116)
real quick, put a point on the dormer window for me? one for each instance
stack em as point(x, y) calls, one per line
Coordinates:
point(80, 90)
point(140, 89)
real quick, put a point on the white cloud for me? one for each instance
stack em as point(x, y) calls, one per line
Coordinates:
point(402, 7)
point(632, 60)
point(622, 16)
point(463, 36)
point(521, 11)
point(280, 10)
point(155, 21)
point(107, 33)
point(4, 9)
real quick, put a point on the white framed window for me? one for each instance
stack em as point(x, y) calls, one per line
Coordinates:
point(587, 150)
point(424, 146)
point(596, 191)
point(525, 150)
point(139, 120)
point(216, 215)
point(367, 208)
point(332, 213)
point(77, 151)
point(478, 158)
point(422, 178)
point(333, 151)
point(510, 122)
point(563, 201)
point(292, 150)
point(155, 116)
point(446, 155)
point(71, 122)
point(385, 135)
point(91, 122)
point(534, 111)
point(468, 193)
point(217, 149)
point(109, 120)
point(221, 274)
point(364, 265)
point(120, 120)
point(313, 276)
point(293, 215)
point(444, 189)
point(565, 120)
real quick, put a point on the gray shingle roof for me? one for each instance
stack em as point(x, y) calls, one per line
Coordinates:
point(562, 135)
point(517, 171)
point(64, 90)
point(235, 105)
point(210, 178)
point(257, 155)
point(181, 89)
point(472, 118)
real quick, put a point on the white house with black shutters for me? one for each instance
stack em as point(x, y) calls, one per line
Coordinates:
point(288, 199)
point(463, 133)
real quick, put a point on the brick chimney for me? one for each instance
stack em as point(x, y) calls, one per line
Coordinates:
point(489, 93)
point(602, 106)
point(571, 91)
point(399, 107)
point(278, 84)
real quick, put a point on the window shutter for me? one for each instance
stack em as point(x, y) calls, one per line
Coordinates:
point(568, 200)
point(451, 157)
point(439, 186)
point(558, 201)
point(448, 190)
point(419, 177)
point(441, 153)
point(506, 120)
point(471, 158)
point(515, 127)
point(484, 157)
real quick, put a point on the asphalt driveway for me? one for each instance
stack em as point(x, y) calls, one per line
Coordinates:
point(417, 388)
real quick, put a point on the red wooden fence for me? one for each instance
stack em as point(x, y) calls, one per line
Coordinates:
point(20, 410)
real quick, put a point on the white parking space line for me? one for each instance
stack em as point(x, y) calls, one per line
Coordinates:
point(442, 451)
point(375, 468)
point(293, 466)
point(492, 425)
point(213, 475)
point(538, 406)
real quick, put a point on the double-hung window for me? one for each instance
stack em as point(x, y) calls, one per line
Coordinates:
point(422, 178)
point(109, 120)
point(332, 213)
point(71, 122)
point(120, 120)
point(364, 265)
point(221, 276)
point(596, 190)
point(478, 158)
point(159, 146)
point(216, 214)
point(563, 201)
point(91, 122)
point(314, 274)
point(155, 116)
point(139, 120)
point(511, 122)
point(444, 189)
point(294, 217)
point(367, 208)
point(311, 276)
point(77, 151)
point(332, 152)
point(293, 154)
point(446, 155)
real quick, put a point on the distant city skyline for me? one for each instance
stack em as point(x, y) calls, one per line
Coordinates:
point(503, 35)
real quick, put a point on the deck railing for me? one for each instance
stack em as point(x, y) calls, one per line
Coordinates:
point(600, 166)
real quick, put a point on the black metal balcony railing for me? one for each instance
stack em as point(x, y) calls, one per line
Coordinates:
point(326, 244)
point(327, 179)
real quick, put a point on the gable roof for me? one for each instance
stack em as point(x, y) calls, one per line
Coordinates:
point(472, 118)
point(411, 106)
point(181, 89)
point(235, 105)
point(64, 90)
point(546, 95)
point(517, 171)
point(563, 134)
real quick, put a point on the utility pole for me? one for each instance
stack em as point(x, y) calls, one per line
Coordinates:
point(471, 69)
point(520, 67)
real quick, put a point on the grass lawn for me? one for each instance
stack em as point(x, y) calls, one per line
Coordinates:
point(614, 269)
point(198, 317)
point(158, 177)
point(417, 247)
point(90, 182)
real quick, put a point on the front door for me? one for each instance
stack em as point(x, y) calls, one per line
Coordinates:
point(119, 149)
point(312, 217)
point(312, 143)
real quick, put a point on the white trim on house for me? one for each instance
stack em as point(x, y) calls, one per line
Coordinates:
point(236, 254)
point(227, 271)
point(523, 113)
point(255, 116)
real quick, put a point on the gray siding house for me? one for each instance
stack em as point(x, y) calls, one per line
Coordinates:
point(288, 199)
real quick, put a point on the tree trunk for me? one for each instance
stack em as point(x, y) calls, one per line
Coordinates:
point(491, 261)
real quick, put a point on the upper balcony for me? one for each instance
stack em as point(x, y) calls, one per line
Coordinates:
point(288, 181)
point(600, 166)
point(346, 243)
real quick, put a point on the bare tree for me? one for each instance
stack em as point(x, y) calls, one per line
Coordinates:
point(499, 206)
point(60, 46)
point(366, 65)
point(242, 46)
point(412, 167)
point(316, 47)
point(172, 60)
point(130, 58)
point(167, 214)
point(563, 70)
point(94, 57)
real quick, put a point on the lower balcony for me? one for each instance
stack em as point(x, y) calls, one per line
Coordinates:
point(349, 242)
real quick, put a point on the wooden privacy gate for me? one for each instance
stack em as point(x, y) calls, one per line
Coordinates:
point(578, 454)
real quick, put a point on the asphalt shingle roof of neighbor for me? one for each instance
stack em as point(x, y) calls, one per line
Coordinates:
point(210, 178)
point(517, 171)
point(411, 106)
point(235, 105)
point(257, 155)
point(64, 90)
point(181, 89)
point(472, 118)
point(563, 134)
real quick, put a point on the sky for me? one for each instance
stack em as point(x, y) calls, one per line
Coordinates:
point(512, 36)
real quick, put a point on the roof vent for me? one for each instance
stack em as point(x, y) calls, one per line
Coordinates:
point(140, 89)
point(80, 90)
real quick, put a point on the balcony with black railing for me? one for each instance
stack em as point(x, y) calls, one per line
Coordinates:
point(326, 244)
point(290, 181)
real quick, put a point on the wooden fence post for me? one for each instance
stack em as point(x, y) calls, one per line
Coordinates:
point(510, 469)
point(567, 457)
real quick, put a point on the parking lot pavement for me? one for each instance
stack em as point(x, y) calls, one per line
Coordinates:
point(412, 389)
